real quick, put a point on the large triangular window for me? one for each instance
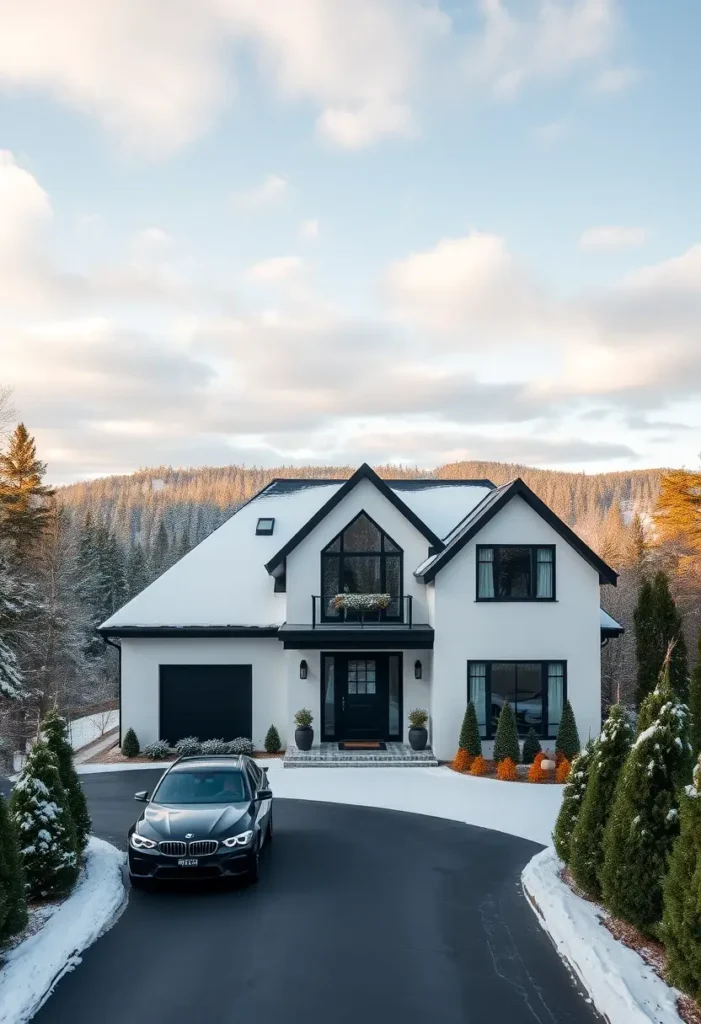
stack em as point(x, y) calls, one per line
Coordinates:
point(361, 560)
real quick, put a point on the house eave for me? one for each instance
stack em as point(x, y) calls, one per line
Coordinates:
point(152, 632)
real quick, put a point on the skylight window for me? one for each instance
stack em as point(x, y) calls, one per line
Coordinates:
point(265, 527)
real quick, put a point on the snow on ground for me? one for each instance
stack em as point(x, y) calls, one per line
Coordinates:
point(620, 983)
point(517, 808)
point(33, 967)
point(91, 727)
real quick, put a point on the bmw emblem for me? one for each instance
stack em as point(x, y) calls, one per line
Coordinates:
point(189, 835)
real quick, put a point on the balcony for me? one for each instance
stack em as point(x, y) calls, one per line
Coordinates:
point(398, 612)
point(351, 629)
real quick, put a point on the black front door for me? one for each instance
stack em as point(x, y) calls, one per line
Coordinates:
point(364, 698)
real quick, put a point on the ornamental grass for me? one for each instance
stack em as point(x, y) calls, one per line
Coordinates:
point(536, 773)
point(562, 771)
point(463, 761)
point(479, 766)
point(506, 770)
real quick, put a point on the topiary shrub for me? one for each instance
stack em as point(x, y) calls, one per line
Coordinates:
point(531, 747)
point(463, 761)
point(567, 736)
point(13, 899)
point(214, 746)
point(644, 820)
point(188, 746)
point(681, 921)
point(157, 750)
point(272, 740)
point(48, 845)
point(506, 739)
point(479, 766)
point(587, 844)
point(130, 744)
point(562, 771)
point(470, 732)
point(303, 718)
point(241, 745)
point(55, 730)
point(572, 802)
point(506, 770)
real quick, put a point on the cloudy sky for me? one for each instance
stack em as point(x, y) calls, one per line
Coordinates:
point(322, 231)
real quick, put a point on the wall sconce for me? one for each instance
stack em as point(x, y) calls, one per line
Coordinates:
point(417, 669)
point(302, 669)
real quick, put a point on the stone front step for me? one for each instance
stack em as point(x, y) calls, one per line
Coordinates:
point(327, 755)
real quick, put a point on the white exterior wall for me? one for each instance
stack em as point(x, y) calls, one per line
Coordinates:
point(467, 630)
point(140, 679)
point(304, 563)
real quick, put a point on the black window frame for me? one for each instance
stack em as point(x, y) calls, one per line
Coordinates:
point(265, 531)
point(534, 548)
point(397, 553)
point(543, 734)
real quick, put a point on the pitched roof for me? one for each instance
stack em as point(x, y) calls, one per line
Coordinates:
point(487, 509)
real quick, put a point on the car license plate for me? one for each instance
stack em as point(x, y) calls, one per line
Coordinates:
point(188, 862)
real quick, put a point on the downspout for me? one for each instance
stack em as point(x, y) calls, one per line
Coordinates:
point(118, 647)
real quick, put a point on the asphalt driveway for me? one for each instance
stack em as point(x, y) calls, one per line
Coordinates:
point(361, 915)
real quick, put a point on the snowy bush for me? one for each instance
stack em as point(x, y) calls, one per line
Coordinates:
point(13, 899)
point(506, 739)
point(55, 731)
point(47, 837)
point(157, 750)
point(681, 922)
point(644, 821)
point(241, 745)
point(189, 746)
point(214, 747)
point(130, 744)
point(572, 802)
point(587, 845)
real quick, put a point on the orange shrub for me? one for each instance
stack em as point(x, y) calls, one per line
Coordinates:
point(538, 758)
point(463, 761)
point(479, 766)
point(536, 773)
point(559, 758)
point(562, 771)
point(506, 770)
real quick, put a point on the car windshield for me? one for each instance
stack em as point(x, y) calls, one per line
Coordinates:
point(201, 787)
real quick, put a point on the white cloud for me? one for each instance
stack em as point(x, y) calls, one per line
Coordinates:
point(613, 237)
point(276, 269)
point(152, 238)
point(615, 80)
point(272, 189)
point(309, 229)
point(358, 127)
point(682, 273)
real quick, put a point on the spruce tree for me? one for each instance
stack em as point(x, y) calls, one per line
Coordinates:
point(695, 705)
point(22, 494)
point(531, 747)
point(657, 624)
point(572, 799)
point(681, 920)
point(46, 832)
point(644, 819)
point(470, 732)
point(567, 741)
point(587, 842)
point(137, 571)
point(272, 740)
point(506, 739)
point(55, 732)
point(160, 552)
point(130, 744)
point(17, 603)
point(13, 899)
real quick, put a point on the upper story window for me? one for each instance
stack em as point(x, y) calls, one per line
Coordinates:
point(516, 572)
point(265, 527)
point(362, 559)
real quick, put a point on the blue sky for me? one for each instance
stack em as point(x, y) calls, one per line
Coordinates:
point(313, 231)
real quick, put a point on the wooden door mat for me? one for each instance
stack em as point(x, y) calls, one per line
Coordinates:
point(362, 745)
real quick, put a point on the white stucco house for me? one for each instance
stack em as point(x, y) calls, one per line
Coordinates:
point(470, 591)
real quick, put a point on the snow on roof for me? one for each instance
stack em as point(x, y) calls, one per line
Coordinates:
point(441, 504)
point(608, 622)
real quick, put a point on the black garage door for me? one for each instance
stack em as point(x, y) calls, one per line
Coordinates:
point(208, 701)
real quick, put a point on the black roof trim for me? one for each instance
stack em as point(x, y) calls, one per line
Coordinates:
point(422, 483)
point(509, 491)
point(146, 632)
point(365, 472)
point(611, 632)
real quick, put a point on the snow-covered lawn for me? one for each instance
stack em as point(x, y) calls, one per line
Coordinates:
point(33, 967)
point(621, 985)
point(84, 730)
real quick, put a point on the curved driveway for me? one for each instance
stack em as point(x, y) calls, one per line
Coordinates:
point(362, 916)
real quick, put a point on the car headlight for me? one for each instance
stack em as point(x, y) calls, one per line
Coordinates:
point(243, 839)
point(141, 842)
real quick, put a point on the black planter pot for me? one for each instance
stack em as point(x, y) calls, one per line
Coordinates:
point(304, 737)
point(418, 738)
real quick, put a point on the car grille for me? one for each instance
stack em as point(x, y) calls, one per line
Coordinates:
point(203, 847)
point(172, 849)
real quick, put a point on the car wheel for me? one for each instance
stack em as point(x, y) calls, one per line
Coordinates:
point(254, 870)
point(144, 884)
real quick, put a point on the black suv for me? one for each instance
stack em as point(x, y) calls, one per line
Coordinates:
point(208, 817)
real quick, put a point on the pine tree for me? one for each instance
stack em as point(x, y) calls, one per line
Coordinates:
point(17, 603)
point(657, 624)
point(506, 739)
point(587, 842)
point(572, 802)
point(681, 921)
point(272, 740)
point(470, 732)
point(531, 747)
point(695, 705)
point(567, 741)
point(22, 493)
point(644, 819)
point(55, 732)
point(13, 900)
point(160, 552)
point(130, 744)
point(46, 831)
point(137, 571)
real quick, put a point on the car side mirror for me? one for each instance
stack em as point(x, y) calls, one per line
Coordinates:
point(265, 794)
point(141, 796)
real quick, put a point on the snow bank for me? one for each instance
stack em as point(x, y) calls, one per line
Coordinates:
point(621, 985)
point(33, 968)
point(84, 730)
